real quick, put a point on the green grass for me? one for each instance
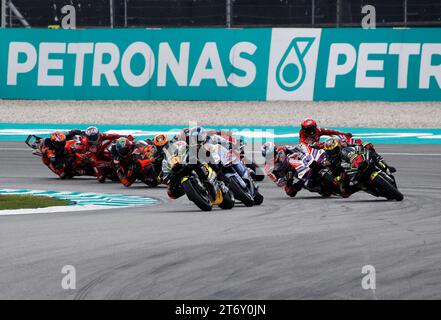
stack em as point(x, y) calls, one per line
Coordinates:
point(29, 202)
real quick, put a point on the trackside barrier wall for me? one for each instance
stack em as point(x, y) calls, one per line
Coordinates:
point(221, 64)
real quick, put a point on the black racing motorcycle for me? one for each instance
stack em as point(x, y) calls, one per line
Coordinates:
point(370, 175)
point(196, 179)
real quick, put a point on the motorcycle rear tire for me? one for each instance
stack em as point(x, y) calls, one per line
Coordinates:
point(258, 199)
point(228, 200)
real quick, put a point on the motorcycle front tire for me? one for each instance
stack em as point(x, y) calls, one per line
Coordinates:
point(193, 194)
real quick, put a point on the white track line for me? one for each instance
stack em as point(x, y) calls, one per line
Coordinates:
point(15, 149)
point(53, 210)
point(411, 154)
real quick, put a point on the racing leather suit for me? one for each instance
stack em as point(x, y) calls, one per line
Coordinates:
point(58, 161)
point(315, 138)
point(279, 171)
point(125, 167)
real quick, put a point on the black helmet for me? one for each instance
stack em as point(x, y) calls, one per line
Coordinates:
point(123, 146)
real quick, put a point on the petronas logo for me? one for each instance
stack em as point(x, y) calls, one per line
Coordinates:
point(291, 70)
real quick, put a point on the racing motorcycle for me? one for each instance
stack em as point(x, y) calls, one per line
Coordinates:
point(67, 165)
point(367, 174)
point(84, 162)
point(307, 166)
point(236, 175)
point(87, 158)
point(198, 180)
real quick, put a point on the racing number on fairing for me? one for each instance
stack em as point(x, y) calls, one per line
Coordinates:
point(357, 161)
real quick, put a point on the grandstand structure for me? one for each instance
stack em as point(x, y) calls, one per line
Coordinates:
point(220, 13)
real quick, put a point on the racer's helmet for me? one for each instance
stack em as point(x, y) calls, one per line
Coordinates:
point(332, 146)
point(93, 135)
point(160, 140)
point(268, 148)
point(123, 146)
point(58, 140)
point(197, 135)
point(344, 140)
point(309, 126)
point(183, 135)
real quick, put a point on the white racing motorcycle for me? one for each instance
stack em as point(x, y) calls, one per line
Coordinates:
point(236, 175)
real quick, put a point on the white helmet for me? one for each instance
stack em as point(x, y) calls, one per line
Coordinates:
point(93, 135)
point(197, 135)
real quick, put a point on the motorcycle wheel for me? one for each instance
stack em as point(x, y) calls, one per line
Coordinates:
point(258, 199)
point(239, 193)
point(228, 200)
point(194, 195)
point(388, 190)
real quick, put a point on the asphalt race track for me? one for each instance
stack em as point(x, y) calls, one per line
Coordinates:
point(301, 248)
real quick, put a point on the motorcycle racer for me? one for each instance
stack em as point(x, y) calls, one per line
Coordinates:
point(196, 137)
point(56, 156)
point(182, 136)
point(156, 149)
point(277, 167)
point(198, 145)
point(223, 137)
point(99, 141)
point(333, 148)
point(124, 161)
point(201, 137)
point(310, 133)
point(336, 149)
point(358, 168)
point(92, 145)
point(353, 142)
